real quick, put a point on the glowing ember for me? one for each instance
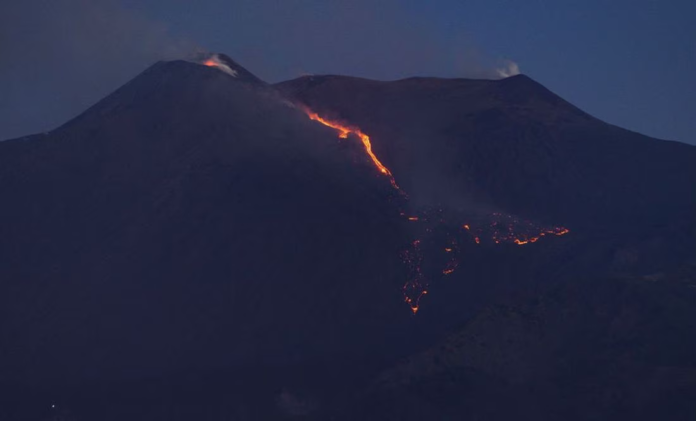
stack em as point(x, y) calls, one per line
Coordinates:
point(415, 287)
point(533, 239)
point(507, 229)
point(431, 260)
point(451, 265)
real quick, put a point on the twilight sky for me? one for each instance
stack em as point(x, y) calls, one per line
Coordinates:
point(629, 62)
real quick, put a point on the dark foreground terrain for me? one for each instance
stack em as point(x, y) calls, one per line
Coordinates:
point(195, 247)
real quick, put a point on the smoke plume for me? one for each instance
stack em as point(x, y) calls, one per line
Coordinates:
point(510, 68)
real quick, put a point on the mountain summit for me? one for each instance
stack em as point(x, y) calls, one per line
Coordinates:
point(229, 66)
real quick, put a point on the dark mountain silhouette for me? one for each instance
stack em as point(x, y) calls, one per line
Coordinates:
point(193, 246)
point(618, 348)
point(189, 220)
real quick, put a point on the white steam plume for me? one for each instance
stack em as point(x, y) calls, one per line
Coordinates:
point(214, 61)
point(510, 68)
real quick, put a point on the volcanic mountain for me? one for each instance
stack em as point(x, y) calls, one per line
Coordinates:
point(191, 219)
point(202, 236)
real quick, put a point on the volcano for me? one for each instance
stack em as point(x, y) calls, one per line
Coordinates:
point(147, 229)
point(202, 236)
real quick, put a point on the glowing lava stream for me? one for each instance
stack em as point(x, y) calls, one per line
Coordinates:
point(344, 131)
point(417, 285)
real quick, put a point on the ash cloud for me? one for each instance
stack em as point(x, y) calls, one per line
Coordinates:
point(58, 57)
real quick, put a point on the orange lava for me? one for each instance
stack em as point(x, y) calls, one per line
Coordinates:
point(508, 229)
point(210, 63)
point(414, 303)
point(502, 228)
point(557, 231)
point(344, 131)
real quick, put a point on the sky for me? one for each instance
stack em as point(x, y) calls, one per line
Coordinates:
point(628, 62)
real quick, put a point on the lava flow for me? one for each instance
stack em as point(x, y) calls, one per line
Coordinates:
point(500, 229)
point(504, 228)
point(344, 131)
point(436, 254)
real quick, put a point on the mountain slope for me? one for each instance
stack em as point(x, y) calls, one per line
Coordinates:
point(620, 348)
point(512, 145)
point(191, 219)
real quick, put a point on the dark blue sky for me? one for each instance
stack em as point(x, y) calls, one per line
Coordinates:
point(629, 62)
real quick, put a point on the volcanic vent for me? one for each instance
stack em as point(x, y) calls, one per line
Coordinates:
point(228, 66)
